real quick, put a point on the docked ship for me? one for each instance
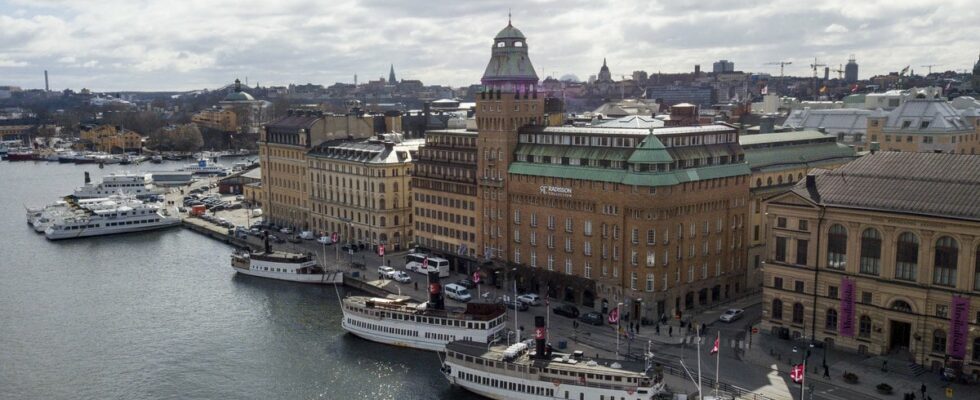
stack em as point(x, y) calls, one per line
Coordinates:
point(118, 214)
point(283, 266)
point(138, 185)
point(396, 320)
point(203, 167)
point(175, 178)
point(531, 370)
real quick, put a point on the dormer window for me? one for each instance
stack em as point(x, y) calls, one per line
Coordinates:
point(501, 44)
point(518, 44)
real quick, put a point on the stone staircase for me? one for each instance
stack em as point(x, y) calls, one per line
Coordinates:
point(896, 365)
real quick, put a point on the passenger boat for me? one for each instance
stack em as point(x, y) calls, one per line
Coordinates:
point(427, 326)
point(283, 266)
point(203, 167)
point(22, 154)
point(531, 370)
point(118, 214)
point(138, 185)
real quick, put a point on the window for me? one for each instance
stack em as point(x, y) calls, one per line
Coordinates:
point(907, 257)
point(976, 271)
point(517, 216)
point(866, 297)
point(939, 341)
point(652, 236)
point(804, 226)
point(945, 261)
point(832, 292)
point(777, 282)
point(568, 224)
point(568, 266)
point(798, 286)
point(798, 313)
point(650, 283)
point(870, 251)
point(651, 258)
point(777, 309)
point(830, 323)
point(633, 280)
point(780, 249)
point(635, 236)
point(780, 222)
point(801, 246)
point(942, 310)
point(864, 326)
point(587, 228)
point(837, 247)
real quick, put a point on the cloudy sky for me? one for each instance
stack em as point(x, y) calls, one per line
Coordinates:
point(108, 45)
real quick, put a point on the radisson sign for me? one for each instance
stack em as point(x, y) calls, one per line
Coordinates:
point(556, 191)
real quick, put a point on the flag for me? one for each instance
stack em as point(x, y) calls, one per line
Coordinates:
point(854, 88)
point(823, 89)
point(714, 349)
point(765, 90)
point(614, 316)
point(904, 70)
point(797, 373)
point(948, 85)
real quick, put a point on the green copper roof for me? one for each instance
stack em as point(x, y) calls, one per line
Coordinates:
point(629, 177)
point(783, 157)
point(575, 152)
point(651, 151)
point(510, 32)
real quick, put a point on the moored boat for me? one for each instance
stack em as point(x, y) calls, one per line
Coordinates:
point(283, 266)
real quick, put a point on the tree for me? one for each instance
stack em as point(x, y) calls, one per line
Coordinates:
point(186, 138)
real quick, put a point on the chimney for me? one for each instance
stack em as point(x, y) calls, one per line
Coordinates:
point(46, 87)
point(875, 146)
point(697, 70)
point(435, 291)
point(268, 247)
point(811, 181)
point(821, 129)
point(767, 125)
point(540, 333)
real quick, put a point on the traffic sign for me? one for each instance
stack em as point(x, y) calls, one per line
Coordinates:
point(476, 277)
point(334, 237)
point(755, 330)
point(381, 250)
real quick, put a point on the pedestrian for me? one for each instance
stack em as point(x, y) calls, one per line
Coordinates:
point(884, 365)
point(704, 328)
point(905, 396)
point(912, 395)
point(826, 371)
point(670, 331)
point(658, 329)
point(637, 327)
point(416, 286)
point(923, 389)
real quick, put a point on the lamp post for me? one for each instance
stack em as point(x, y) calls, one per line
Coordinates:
point(619, 317)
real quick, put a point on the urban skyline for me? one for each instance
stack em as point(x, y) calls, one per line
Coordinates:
point(110, 46)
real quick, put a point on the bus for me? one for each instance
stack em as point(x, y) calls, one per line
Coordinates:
point(416, 262)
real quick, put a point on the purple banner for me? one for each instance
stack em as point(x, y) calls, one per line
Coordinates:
point(959, 324)
point(846, 307)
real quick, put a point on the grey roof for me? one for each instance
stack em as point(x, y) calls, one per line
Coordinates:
point(509, 32)
point(510, 63)
point(293, 122)
point(945, 185)
point(633, 121)
point(369, 152)
point(768, 139)
point(939, 114)
point(846, 120)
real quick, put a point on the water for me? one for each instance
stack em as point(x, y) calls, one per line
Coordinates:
point(161, 315)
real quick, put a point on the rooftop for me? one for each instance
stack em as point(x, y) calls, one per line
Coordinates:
point(935, 184)
point(926, 115)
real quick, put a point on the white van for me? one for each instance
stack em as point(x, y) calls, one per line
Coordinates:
point(458, 293)
point(423, 263)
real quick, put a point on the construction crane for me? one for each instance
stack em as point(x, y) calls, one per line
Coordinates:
point(816, 87)
point(816, 65)
point(930, 67)
point(839, 71)
point(781, 64)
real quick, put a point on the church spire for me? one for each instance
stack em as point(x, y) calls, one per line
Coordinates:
point(391, 74)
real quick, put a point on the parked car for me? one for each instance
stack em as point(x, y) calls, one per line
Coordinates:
point(458, 293)
point(324, 240)
point(567, 310)
point(385, 271)
point(286, 230)
point(276, 239)
point(514, 304)
point(348, 247)
point(592, 318)
point(401, 277)
point(294, 239)
point(466, 283)
point(307, 235)
point(731, 314)
point(530, 299)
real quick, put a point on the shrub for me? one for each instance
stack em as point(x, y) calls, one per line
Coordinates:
point(883, 388)
point(850, 377)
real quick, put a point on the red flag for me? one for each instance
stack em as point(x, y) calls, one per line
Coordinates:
point(797, 373)
point(765, 90)
point(854, 88)
point(715, 348)
point(614, 316)
point(381, 250)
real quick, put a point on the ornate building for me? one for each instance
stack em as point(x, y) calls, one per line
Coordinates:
point(880, 256)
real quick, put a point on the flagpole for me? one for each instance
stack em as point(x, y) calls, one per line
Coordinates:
point(803, 381)
point(700, 391)
point(718, 365)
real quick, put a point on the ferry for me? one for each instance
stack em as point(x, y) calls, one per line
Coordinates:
point(203, 167)
point(398, 321)
point(135, 184)
point(121, 214)
point(283, 266)
point(531, 370)
point(172, 178)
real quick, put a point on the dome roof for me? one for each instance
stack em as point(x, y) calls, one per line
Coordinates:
point(239, 96)
point(510, 32)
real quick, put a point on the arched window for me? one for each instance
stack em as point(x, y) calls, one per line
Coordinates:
point(501, 44)
point(758, 182)
point(947, 252)
point(396, 220)
point(381, 187)
point(798, 313)
point(864, 326)
point(939, 341)
point(907, 257)
point(870, 251)
point(780, 179)
point(830, 323)
point(777, 309)
point(837, 247)
point(395, 187)
point(383, 221)
point(381, 204)
point(901, 305)
point(769, 181)
point(789, 178)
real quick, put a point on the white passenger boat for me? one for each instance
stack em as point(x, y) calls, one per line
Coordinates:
point(203, 167)
point(530, 370)
point(138, 185)
point(283, 266)
point(427, 326)
point(118, 214)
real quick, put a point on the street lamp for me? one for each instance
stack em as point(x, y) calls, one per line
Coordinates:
point(619, 317)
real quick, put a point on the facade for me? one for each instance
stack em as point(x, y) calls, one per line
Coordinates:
point(848, 125)
point(444, 192)
point(723, 66)
point(110, 139)
point(362, 190)
point(778, 161)
point(669, 95)
point(924, 124)
point(250, 114)
point(880, 256)
point(851, 71)
point(220, 119)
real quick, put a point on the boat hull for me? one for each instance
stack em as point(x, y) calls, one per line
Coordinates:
point(393, 340)
point(319, 279)
point(53, 234)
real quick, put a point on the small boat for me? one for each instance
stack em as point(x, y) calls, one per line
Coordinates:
point(283, 266)
point(22, 154)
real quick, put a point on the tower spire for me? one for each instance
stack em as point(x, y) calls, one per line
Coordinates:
point(508, 17)
point(391, 74)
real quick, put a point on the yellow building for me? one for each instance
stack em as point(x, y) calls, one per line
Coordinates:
point(444, 197)
point(924, 124)
point(362, 190)
point(880, 256)
point(778, 161)
point(110, 139)
point(221, 119)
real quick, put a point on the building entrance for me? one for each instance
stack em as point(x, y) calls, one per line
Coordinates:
point(901, 333)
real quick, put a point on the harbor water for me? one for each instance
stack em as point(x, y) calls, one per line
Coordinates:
point(161, 315)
